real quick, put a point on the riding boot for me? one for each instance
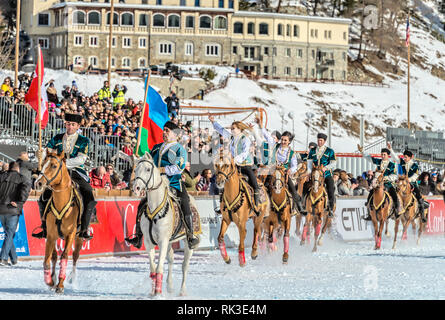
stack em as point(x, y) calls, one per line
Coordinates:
point(368, 214)
point(422, 208)
point(85, 220)
point(298, 202)
point(191, 239)
point(331, 209)
point(42, 234)
point(256, 197)
point(396, 210)
point(136, 239)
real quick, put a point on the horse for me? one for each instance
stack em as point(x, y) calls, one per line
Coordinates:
point(299, 178)
point(316, 202)
point(238, 206)
point(281, 206)
point(409, 209)
point(62, 219)
point(379, 207)
point(158, 223)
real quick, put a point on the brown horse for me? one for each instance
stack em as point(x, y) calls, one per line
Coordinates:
point(316, 208)
point(379, 207)
point(237, 206)
point(409, 209)
point(62, 218)
point(299, 178)
point(281, 206)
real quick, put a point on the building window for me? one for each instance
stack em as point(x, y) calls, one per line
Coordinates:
point(344, 56)
point(280, 29)
point(238, 27)
point(197, 3)
point(296, 31)
point(332, 74)
point(142, 42)
point(300, 53)
point(115, 18)
point(94, 17)
point(205, 22)
point(274, 51)
point(314, 33)
point(126, 42)
point(127, 19)
point(165, 48)
point(143, 20)
point(188, 49)
point(78, 17)
point(235, 50)
point(212, 50)
point(174, 21)
point(93, 61)
point(287, 71)
point(126, 62)
point(94, 41)
point(189, 22)
point(78, 61)
point(251, 28)
point(344, 35)
point(288, 30)
point(266, 51)
point(274, 70)
point(142, 63)
point(221, 23)
point(159, 2)
point(313, 73)
point(231, 4)
point(264, 28)
point(328, 34)
point(44, 43)
point(221, 3)
point(113, 42)
point(78, 40)
point(266, 70)
point(43, 19)
point(182, 3)
point(313, 54)
point(158, 20)
point(288, 52)
point(299, 72)
point(113, 62)
point(344, 75)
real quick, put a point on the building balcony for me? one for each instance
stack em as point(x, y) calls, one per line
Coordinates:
point(325, 62)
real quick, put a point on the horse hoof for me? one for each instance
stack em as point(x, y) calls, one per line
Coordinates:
point(228, 261)
point(285, 258)
point(254, 257)
point(59, 290)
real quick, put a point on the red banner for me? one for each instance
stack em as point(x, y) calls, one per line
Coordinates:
point(436, 217)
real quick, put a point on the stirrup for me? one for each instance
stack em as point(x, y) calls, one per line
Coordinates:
point(84, 235)
point(39, 235)
point(136, 240)
point(192, 242)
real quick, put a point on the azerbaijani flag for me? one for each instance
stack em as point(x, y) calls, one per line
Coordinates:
point(154, 116)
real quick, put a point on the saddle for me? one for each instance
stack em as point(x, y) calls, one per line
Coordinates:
point(245, 186)
point(387, 196)
point(170, 200)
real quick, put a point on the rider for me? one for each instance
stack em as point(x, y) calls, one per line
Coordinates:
point(283, 155)
point(323, 155)
point(411, 170)
point(75, 147)
point(240, 150)
point(390, 176)
point(170, 157)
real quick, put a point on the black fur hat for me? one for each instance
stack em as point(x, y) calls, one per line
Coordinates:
point(322, 136)
point(73, 117)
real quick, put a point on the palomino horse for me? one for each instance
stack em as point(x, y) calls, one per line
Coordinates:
point(281, 207)
point(409, 209)
point(299, 178)
point(158, 223)
point(316, 202)
point(237, 206)
point(379, 207)
point(61, 220)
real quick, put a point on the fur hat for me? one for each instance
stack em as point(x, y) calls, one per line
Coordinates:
point(73, 117)
point(385, 150)
point(408, 153)
point(171, 125)
point(322, 136)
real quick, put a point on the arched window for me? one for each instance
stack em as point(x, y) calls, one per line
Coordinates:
point(238, 27)
point(264, 28)
point(205, 22)
point(115, 18)
point(251, 28)
point(126, 19)
point(158, 20)
point(221, 23)
point(78, 17)
point(174, 21)
point(93, 17)
point(280, 29)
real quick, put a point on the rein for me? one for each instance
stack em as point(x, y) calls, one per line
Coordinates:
point(59, 170)
point(149, 178)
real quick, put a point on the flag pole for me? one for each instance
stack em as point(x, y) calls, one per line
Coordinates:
point(17, 47)
point(409, 63)
point(142, 113)
point(39, 74)
point(110, 41)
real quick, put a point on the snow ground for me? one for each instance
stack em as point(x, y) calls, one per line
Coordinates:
point(338, 271)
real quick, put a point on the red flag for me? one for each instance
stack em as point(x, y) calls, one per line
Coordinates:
point(32, 96)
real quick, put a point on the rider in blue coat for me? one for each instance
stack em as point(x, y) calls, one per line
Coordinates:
point(170, 157)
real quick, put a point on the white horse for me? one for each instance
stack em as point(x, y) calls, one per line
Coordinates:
point(148, 179)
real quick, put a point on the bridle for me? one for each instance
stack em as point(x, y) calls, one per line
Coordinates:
point(146, 182)
point(281, 180)
point(59, 169)
point(226, 176)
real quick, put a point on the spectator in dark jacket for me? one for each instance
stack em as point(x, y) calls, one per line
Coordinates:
point(26, 166)
point(424, 185)
point(172, 102)
point(14, 191)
